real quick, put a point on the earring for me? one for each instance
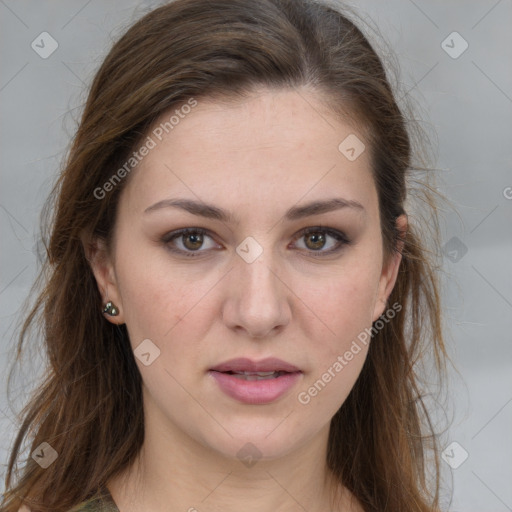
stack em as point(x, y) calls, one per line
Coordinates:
point(110, 309)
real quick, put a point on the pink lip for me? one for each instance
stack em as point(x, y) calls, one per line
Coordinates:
point(255, 392)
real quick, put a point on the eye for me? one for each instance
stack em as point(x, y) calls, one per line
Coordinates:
point(317, 238)
point(189, 241)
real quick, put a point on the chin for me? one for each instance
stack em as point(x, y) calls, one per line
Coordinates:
point(249, 443)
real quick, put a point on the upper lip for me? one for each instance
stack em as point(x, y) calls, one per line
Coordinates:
point(243, 364)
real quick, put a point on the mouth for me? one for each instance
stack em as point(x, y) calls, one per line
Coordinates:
point(255, 383)
point(256, 375)
point(246, 366)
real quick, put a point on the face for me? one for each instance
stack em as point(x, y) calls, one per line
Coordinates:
point(261, 275)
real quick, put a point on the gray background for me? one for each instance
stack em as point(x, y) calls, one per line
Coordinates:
point(466, 101)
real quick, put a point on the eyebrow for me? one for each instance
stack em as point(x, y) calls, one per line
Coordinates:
point(294, 213)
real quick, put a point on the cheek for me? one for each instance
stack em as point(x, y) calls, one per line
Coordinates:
point(344, 303)
point(338, 346)
point(160, 300)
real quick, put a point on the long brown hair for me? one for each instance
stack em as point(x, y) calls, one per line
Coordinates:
point(89, 405)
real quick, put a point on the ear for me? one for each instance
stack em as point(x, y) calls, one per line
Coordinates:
point(390, 270)
point(102, 266)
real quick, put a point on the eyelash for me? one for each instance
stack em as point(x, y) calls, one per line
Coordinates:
point(337, 235)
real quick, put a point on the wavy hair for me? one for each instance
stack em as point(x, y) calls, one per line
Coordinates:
point(88, 406)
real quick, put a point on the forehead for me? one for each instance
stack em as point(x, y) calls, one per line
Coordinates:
point(268, 146)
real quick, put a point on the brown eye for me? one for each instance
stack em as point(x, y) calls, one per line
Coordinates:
point(196, 241)
point(314, 240)
point(322, 241)
point(189, 242)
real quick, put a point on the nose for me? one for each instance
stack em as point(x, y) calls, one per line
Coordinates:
point(258, 301)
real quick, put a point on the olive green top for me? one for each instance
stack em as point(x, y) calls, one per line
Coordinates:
point(102, 502)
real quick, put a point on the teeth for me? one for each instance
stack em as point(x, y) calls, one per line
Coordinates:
point(261, 374)
point(256, 375)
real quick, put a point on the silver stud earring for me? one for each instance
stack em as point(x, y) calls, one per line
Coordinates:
point(110, 309)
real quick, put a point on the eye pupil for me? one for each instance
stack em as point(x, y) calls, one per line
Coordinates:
point(318, 240)
point(196, 243)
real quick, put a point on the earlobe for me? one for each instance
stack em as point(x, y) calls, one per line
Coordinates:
point(102, 267)
point(390, 271)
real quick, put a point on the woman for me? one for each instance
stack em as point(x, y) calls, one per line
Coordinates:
point(236, 298)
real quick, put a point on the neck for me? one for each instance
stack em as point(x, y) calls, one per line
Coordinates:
point(175, 472)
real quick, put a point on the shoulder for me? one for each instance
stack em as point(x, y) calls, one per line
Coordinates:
point(92, 505)
point(98, 504)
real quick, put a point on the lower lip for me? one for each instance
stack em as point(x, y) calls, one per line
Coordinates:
point(255, 391)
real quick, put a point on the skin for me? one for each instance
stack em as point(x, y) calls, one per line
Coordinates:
point(256, 158)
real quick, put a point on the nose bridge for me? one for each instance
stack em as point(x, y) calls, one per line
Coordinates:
point(258, 281)
point(258, 300)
